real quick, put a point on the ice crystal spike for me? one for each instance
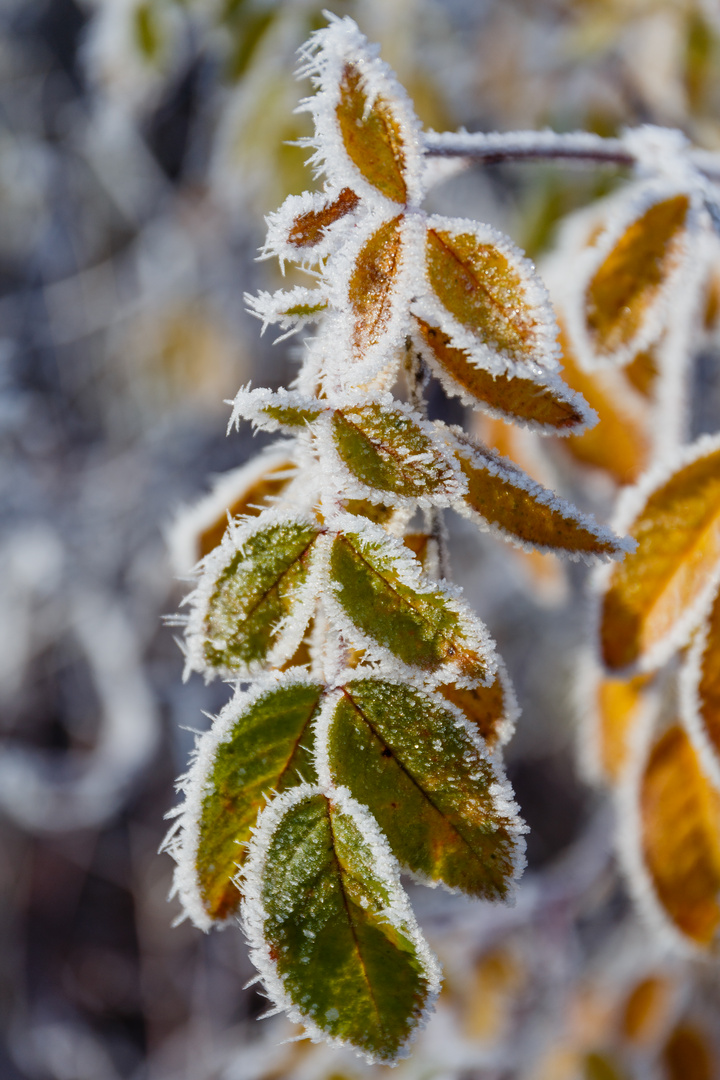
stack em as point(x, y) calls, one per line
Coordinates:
point(371, 734)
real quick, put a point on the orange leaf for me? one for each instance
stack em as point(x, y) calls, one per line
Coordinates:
point(308, 229)
point(680, 823)
point(619, 443)
point(371, 136)
point(523, 400)
point(622, 290)
point(651, 601)
point(481, 286)
point(256, 497)
point(647, 1010)
point(372, 283)
point(503, 496)
point(491, 709)
point(688, 1055)
point(642, 371)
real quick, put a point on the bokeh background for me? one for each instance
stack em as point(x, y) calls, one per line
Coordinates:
point(141, 143)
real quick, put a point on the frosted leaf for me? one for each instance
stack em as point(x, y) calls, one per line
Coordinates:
point(271, 410)
point(330, 928)
point(700, 691)
point(311, 226)
point(289, 310)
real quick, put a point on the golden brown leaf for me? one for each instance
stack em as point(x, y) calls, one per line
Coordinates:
point(650, 594)
point(372, 283)
point(708, 684)
point(642, 371)
point(504, 496)
point(372, 137)
point(687, 1055)
point(479, 286)
point(519, 399)
point(628, 281)
point(484, 706)
point(252, 502)
point(308, 229)
point(647, 1009)
point(619, 702)
point(680, 821)
point(619, 443)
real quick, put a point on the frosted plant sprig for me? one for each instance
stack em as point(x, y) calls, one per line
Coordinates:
point(370, 739)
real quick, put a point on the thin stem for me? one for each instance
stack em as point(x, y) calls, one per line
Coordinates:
point(494, 147)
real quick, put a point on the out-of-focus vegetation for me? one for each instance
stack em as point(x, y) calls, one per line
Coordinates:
point(141, 143)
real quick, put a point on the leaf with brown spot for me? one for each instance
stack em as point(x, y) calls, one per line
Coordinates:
point(680, 836)
point(622, 291)
point(620, 443)
point(372, 136)
point(655, 597)
point(551, 406)
point(502, 496)
point(308, 229)
point(486, 286)
point(372, 284)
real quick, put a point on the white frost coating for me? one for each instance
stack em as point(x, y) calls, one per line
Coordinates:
point(400, 561)
point(689, 696)
point(477, 358)
point(183, 837)
point(630, 845)
point(540, 143)
point(281, 222)
point(452, 483)
point(546, 351)
point(477, 750)
point(291, 632)
point(190, 522)
point(398, 911)
point(251, 404)
point(323, 60)
point(281, 308)
point(629, 508)
point(511, 474)
point(623, 211)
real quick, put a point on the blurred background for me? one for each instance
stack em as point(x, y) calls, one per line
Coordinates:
point(141, 143)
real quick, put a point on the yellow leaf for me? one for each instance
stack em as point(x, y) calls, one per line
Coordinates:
point(651, 599)
point(309, 228)
point(504, 497)
point(478, 284)
point(371, 136)
point(680, 823)
point(701, 688)
point(622, 290)
point(647, 1010)
point(619, 704)
point(522, 400)
point(619, 443)
point(372, 283)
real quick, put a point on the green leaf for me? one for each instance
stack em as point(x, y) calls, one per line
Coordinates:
point(379, 586)
point(415, 765)
point(256, 612)
point(331, 929)
point(388, 449)
point(289, 416)
point(260, 747)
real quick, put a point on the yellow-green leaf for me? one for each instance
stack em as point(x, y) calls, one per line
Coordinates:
point(653, 599)
point(380, 589)
point(553, 408)
point(372, 136)
point(373, 283)
point(252, 591)
point(390, 450)
point(622, 290)
point(330, 927)
point(408, 758)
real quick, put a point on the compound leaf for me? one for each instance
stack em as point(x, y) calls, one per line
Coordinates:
point(378, 585)
point(551, 407)
point(651, 601)
point(484, 284)
point(680, 816)
point(259, 745)
point(256, 610)
point(503, 496)
point(330, 927)
point(388, 449)
point(417, 768)
point(622, 290)
point(372, 284)
point(372, 136)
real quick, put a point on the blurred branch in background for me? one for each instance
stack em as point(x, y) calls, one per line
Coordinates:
point(141, 143)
